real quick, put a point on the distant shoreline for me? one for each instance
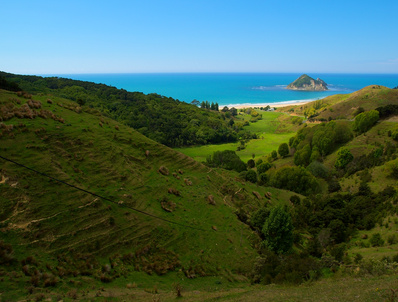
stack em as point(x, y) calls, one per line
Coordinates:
point(272, 105)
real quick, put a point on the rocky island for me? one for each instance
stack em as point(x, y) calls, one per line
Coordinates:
point(307, 83)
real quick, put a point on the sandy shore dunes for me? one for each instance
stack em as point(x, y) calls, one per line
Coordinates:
point(277, 105)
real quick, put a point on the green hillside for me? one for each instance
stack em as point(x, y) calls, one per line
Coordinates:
point(163, 119)
point(71, 234)
point(92, 208)
point(345, 106)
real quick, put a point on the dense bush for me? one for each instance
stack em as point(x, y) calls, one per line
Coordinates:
point(226, 159)
point(296, 179)
point(283, 150)
point(259, 217)
point(376, 240)
point(344, 156)
point(318, 169)
point(365, 120)
point(263, 167)
point(313, 143)
point(388, 110)
point(8, 85)
point(251, 176)
point(278, 231)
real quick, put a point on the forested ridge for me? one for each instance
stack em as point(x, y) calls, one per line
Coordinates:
point(163, 119)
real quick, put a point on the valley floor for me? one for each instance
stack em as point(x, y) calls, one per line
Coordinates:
point(384, 288)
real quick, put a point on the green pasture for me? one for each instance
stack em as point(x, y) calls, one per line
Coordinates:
point(268, 140)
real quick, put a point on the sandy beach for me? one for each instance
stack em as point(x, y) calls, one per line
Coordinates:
point(277, 105)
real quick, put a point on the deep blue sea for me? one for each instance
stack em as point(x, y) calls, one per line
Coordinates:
point(236, 88)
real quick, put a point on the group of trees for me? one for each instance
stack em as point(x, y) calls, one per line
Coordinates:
point(8, 85)
point(226, 159)
point(320, 226)
point(365, 120)
point(314, 143)
point(207, 105)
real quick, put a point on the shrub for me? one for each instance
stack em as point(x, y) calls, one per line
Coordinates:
point(259, 217)
point(283, 150)
point(344, 156)
point(251, 176)
point(318, 169)
point(392, 167)
point(376, 240)
point(6, 253)
point(365, 120)
point(251, 163)
point(294, 199)
point(296, 179)
point(264, 167)
point(392, 239)
point(357, 258)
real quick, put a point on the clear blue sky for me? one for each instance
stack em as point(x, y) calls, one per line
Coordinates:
point(85, 36)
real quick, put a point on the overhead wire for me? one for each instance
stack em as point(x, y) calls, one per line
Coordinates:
point(102, 197)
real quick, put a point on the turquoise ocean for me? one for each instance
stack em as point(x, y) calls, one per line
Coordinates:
point(229, 89)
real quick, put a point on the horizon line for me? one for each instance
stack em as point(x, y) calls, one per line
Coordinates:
point(212, 72)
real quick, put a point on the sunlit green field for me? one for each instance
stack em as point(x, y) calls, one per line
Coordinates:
point(268, 140)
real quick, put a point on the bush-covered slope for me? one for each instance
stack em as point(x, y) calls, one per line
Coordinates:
point(163, 119)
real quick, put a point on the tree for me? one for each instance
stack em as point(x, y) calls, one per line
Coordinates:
point(296, 179)
point(251, 163)
point(263, 167)
point(278, 231)
point(338, 230)
point(251, 176)
point(365, 120)
point(344, 156)
point(302, 156)
point(283, 150)
point(226, 159)
point(274, 155)
point(195, 103)
point(81, 102)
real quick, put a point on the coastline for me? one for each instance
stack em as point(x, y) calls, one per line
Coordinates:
point(272, 105)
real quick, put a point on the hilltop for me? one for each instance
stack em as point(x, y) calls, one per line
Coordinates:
point(305, 82)
point(346, 106)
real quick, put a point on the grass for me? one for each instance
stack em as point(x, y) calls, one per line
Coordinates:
point(267, 142)
point(45, 219)
point(216, 289)
point(52, 222)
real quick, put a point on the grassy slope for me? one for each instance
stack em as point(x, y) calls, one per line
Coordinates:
point(43, 218)
point(344, 105)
